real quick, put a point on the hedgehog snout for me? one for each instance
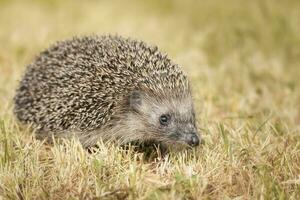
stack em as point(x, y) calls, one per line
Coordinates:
point(192, 139)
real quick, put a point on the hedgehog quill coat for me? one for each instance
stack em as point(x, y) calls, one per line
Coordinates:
point(107, 87)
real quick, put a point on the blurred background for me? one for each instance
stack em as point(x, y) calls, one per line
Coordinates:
point(243, 60)
point(243, 57)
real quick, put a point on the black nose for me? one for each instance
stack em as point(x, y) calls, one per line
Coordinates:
point(193, 140)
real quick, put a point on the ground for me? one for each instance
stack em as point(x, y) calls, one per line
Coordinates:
point(243, 60)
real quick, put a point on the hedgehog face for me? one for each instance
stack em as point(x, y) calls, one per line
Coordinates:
point(170, 121)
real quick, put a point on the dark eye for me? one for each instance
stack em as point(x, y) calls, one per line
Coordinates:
point(164, 119)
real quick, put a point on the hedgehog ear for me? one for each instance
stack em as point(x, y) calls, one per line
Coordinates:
point(135, 100)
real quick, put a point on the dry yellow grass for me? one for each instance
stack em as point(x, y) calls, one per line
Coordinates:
point(243, 58)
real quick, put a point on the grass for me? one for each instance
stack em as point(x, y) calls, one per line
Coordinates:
point(243, 59)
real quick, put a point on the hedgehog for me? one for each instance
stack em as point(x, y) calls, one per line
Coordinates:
point(107, 88)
